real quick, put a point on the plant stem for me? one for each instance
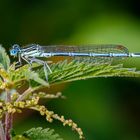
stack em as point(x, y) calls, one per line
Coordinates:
point(2, 135)
point(8, 125)
point(8, 118)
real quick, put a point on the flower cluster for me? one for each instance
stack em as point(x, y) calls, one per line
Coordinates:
point(50, 116)
point(17, 106)
point(71, 124)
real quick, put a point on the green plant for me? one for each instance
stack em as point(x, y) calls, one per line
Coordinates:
point(21, 89)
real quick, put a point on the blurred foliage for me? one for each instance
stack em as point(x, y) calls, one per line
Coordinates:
point(42, 134)
point(106, 108)
point(4, 59)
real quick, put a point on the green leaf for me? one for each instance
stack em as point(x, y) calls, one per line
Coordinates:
point(4, 59)
point(71, 71)
point(41, 134)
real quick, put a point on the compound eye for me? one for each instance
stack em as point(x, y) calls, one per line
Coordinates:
point(14, 51)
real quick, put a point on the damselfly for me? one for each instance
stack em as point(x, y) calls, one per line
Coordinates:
point(95, 53)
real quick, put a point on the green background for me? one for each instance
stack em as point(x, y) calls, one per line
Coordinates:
point(106, 108)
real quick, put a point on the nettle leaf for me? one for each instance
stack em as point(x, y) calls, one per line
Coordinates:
point(4, 59)
point(71, 71)
point(41, 134)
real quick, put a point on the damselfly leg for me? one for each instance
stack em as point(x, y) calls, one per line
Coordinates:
point(19, 62)
point(45, 65)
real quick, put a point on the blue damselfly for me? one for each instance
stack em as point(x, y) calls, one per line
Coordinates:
point(95, 53)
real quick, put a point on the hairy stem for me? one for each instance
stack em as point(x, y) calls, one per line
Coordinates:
point(8, 118)
point(2, 135)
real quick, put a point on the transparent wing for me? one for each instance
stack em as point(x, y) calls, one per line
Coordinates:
point(88, 49)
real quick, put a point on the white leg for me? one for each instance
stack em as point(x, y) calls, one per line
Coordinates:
point(46, 67)
point(25, 59)
point(19, 63)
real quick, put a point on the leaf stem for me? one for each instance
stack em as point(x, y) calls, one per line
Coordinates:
point(21, 97)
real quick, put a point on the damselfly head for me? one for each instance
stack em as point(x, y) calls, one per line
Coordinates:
point(15, 50)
